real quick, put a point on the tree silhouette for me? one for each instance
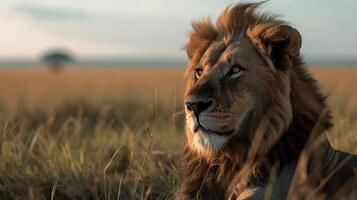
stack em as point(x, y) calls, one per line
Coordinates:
point(56, 59)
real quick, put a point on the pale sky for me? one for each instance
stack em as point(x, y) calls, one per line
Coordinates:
point(157, 28)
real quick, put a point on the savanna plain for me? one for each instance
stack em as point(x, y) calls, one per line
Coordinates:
point(115, 133)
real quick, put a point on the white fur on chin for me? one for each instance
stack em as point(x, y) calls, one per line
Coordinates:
point(201, 141)
point(208, 141)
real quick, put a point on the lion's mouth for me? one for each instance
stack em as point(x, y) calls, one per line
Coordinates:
point(208, 125)
point(207, 131)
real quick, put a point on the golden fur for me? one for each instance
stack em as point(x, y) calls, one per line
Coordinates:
point(264, 123)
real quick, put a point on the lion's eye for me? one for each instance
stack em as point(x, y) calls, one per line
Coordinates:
point(198, 72)
point(236, 71)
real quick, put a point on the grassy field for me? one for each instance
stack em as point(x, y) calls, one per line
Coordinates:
point(113, 134)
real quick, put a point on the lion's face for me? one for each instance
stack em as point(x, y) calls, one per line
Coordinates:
point(238, 84)
point(222, 88)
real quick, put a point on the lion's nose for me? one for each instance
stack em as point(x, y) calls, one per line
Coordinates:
point(198, 106)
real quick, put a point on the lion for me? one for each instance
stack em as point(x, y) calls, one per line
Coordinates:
point(256, 121)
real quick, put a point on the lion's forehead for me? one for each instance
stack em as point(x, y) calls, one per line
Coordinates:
point(212, 54)
point(220, 55)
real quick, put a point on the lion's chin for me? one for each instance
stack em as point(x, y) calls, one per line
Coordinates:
point(205, 140)
point(208, 142)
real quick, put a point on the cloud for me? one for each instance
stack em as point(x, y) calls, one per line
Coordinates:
point(38, 12)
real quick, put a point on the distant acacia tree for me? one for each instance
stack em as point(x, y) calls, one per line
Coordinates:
point(56, 59)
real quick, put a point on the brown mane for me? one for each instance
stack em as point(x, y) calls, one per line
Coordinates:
point(234, 19)
point(286, 130)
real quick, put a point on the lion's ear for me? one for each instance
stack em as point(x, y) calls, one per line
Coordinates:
point(276, 42)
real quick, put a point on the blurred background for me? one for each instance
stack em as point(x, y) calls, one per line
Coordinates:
point(154, 31)
point(83, 82)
